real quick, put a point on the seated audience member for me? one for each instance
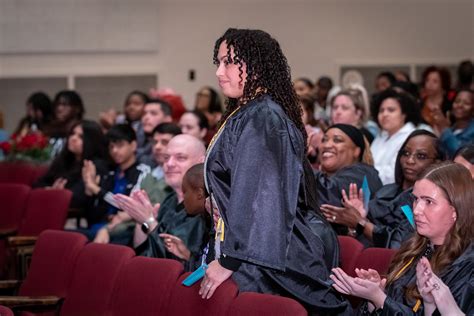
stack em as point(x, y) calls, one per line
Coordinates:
point(314, 128)
point(182, 152)
point(436, 83)
point(322, 90)
point(344, 157)
point(465, 76)
point(465, 157)
point(162, 135)
point(384, 81)
point(173, 99)
point(441, 249)
point(194, 197)
point(152, 183)
point(121, 178)
point(132, 114)
point(194, 123)
point(385, 224)
point(397, 115)
point(209, 102)
point(156, 111)
point(303, 86)
point(39, 113)
point(461, 132)
point(85, 142)
point(350, 107)
point(68, 109)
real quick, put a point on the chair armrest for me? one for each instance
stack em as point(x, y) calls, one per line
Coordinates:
point(9, 284)
point(30, 301)
point(5, 232)
point(19, 241)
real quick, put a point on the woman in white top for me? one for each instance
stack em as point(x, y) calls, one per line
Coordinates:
point(397, 114)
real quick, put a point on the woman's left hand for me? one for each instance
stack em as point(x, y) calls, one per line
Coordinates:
point(442, 295)
point(214, 277)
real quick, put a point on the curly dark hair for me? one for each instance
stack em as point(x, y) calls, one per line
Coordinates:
point(443, 73)
point(268, 68)
point(268, 73)
point(408, 105)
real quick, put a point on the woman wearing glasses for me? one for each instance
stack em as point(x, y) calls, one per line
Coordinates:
point(385, 224)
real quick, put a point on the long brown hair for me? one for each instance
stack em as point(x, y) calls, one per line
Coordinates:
point(456, 183)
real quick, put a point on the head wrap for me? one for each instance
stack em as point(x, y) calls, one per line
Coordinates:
point(354, 134)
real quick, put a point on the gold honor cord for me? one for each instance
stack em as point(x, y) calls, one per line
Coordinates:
point(418, 301)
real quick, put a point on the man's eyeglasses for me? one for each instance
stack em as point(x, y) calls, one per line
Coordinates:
point(416, 155)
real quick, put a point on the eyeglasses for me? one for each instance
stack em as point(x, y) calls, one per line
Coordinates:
point(416, 155)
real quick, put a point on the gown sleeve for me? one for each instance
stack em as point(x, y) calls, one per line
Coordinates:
point(265, 174)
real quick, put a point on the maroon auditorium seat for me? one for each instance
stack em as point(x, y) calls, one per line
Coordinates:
point(186, 300)
point(45, 209)
point(350, 248)
point(5, 311)
point(96, 272)
point(52, 263)
point(13, 199)
point(144, 286)
point(375, 258)
point(51, 268)
point(17, 172)
point(265, 305)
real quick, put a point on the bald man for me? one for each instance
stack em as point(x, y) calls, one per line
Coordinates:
point(182, 152)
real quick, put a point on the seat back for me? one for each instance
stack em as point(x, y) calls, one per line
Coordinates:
point(144, 286)
point(378, 259)
point(350, 248)
point(95, 275)
point(13, 197)
point(52, 263)
point(5, 311)
point(45, 209)
point(187, 301)
point(17, 172)
point(249, 303)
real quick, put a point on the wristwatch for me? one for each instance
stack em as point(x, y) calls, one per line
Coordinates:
point(146, 225)
point(361, 226)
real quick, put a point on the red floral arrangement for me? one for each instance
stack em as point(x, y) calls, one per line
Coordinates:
point(31, 147)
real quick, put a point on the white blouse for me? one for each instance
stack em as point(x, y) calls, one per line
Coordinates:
point(385, 149)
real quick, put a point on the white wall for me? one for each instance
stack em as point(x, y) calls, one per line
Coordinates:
point(317, 36)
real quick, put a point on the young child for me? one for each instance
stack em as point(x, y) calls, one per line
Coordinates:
point(194, 195)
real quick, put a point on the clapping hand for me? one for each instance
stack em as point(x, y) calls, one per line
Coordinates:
point(369, 288)
point(435, 293)
point(90, 178)
point(138, 206)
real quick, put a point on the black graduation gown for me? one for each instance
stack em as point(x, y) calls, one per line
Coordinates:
point(330, 187)
point(459, 277)
point(392, 227)
point(254, 171)
point(173, 219)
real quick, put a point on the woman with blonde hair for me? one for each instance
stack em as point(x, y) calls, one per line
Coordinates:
point(442, 246)
point(350, 106)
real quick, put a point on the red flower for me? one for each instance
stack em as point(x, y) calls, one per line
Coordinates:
point(6, 147)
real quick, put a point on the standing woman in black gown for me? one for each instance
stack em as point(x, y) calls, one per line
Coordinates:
point(269, 237)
